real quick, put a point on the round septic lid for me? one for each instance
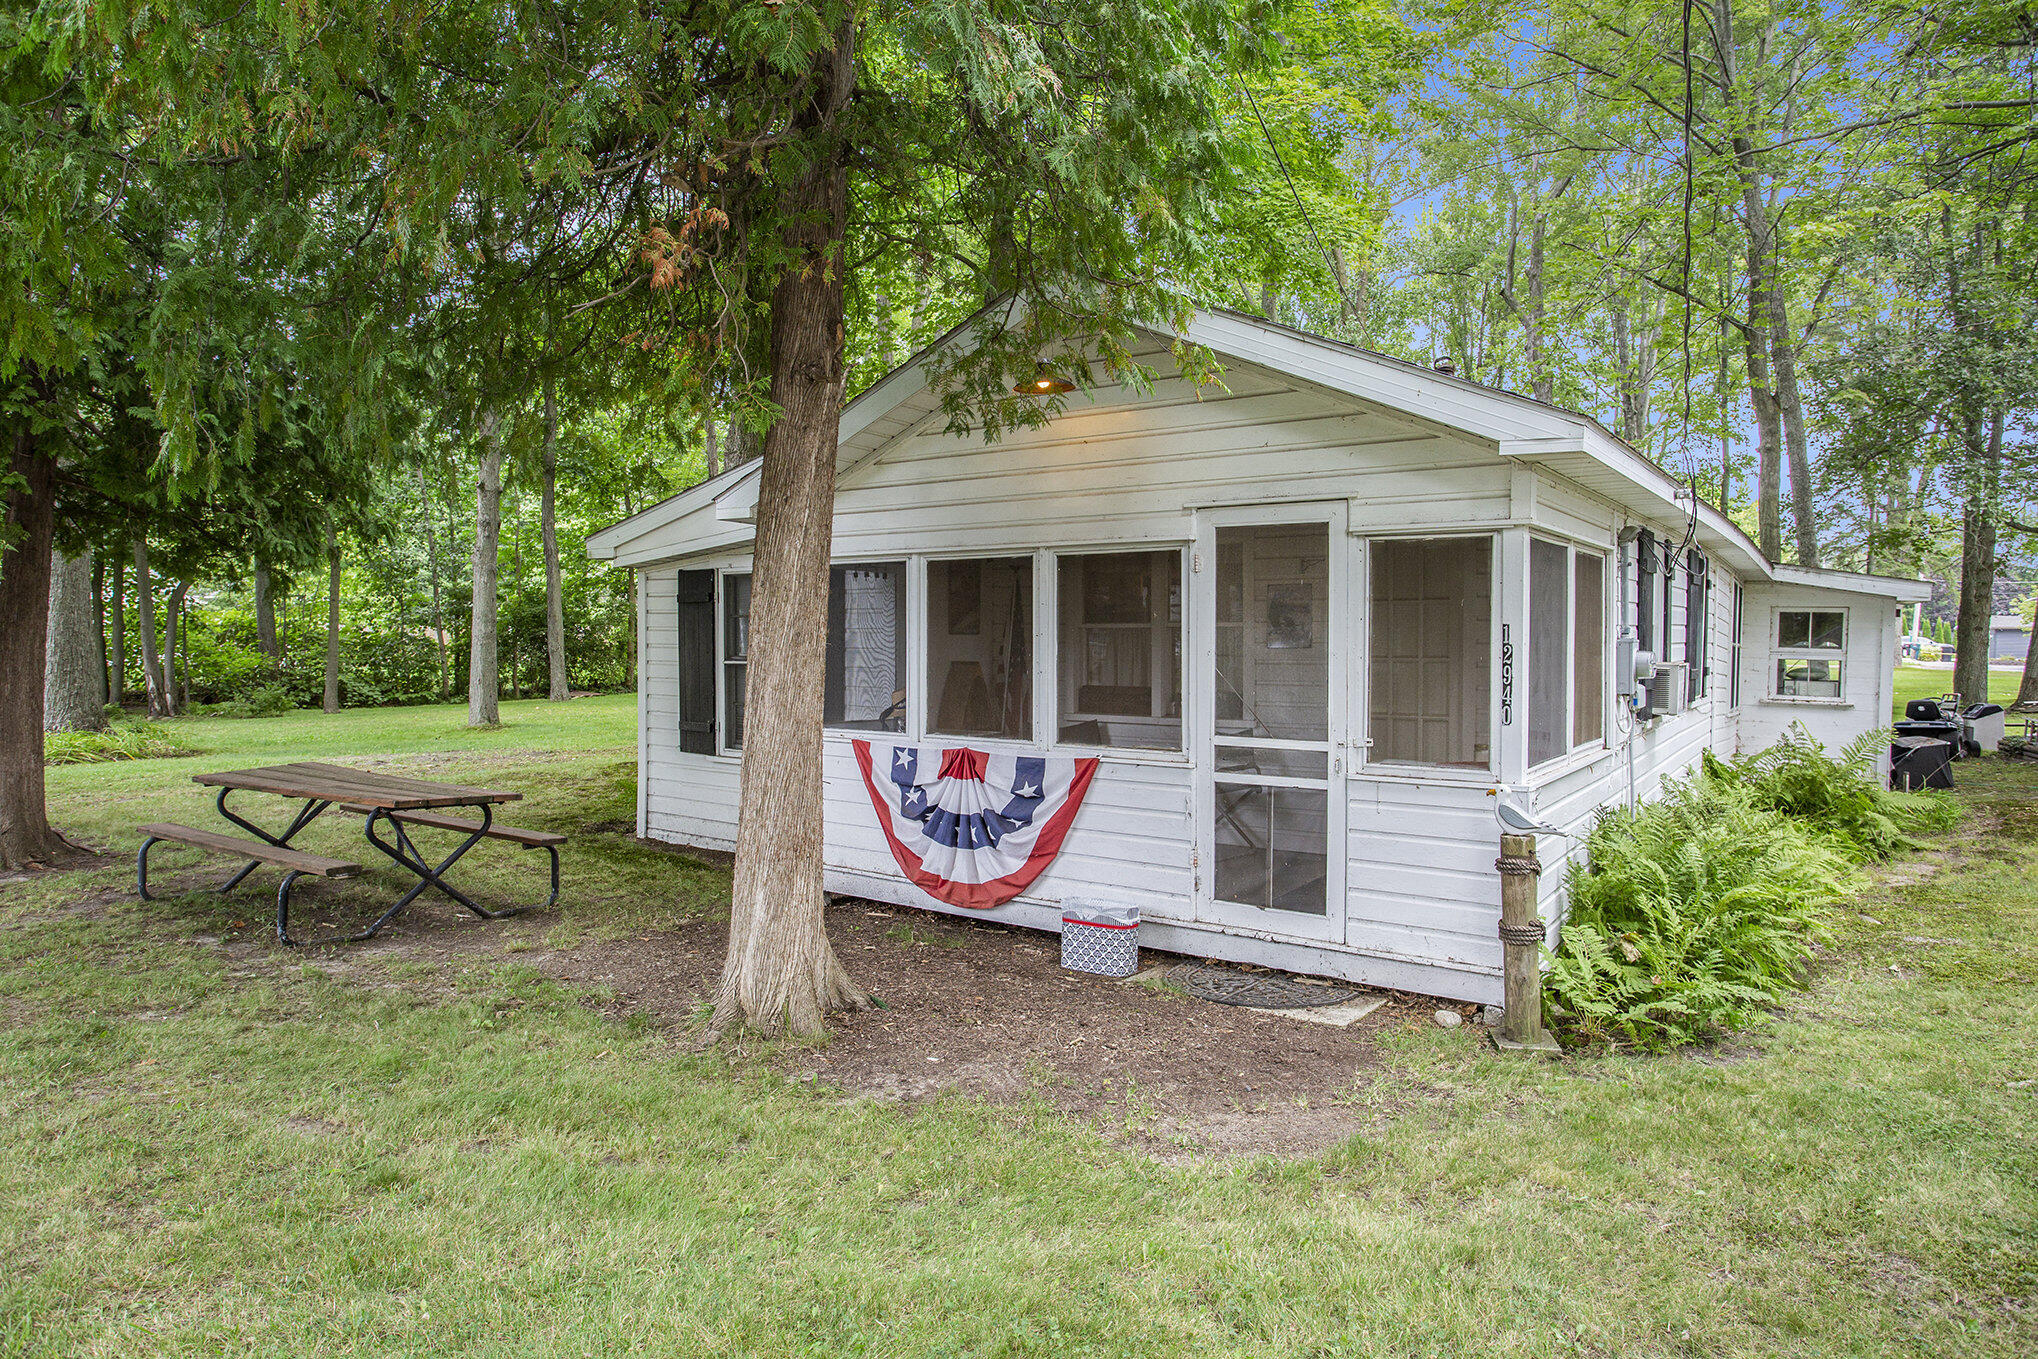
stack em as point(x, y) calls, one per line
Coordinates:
point(1266, 990)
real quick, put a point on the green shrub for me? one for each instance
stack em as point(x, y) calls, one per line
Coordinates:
point(1840, 797)
point(271, 700)
point(1689, 918)
point(121, 741)
point(1694, 916)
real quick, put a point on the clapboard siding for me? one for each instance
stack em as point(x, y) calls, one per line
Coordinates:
point(1125, 466)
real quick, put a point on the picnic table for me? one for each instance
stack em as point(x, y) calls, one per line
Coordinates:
point(392, 806)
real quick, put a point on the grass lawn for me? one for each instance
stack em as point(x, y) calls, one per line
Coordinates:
point(212, 1145)
point(1922, 681)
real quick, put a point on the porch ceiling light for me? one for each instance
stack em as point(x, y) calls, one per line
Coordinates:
point(1046, 382)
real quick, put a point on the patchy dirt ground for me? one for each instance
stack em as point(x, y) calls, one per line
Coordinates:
point(970, 1008)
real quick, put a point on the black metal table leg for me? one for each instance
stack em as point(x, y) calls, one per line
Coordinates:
point(305, 816)
point(406, 855)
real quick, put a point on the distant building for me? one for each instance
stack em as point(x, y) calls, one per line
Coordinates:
point(2009, 638)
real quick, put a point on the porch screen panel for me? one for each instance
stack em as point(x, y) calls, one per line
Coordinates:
point(866, 676)
point(1120, 649)
point(1270, 742)
point(1549, 651)
point(1588, 650)
point(1432, 616)
point(980, 647)
point(1273, 612)
point(697, 662)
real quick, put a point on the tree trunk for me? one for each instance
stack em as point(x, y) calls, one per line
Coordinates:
point(166, 664)
point(265, 616)
point(184, 647)
point(548, 529)
point(145, 626)
point(116, 672)
point(25, 836)
point(99, 631)
point(2027, 688)
point(432, 565)
point(483, 667)
point(72, 699)
point(1542, 380)
point(714, 448)
point(781, 973)
point(1972, 635)
point(1790, 406)
point(331, 702)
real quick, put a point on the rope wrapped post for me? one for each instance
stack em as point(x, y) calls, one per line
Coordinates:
point(1521, 948)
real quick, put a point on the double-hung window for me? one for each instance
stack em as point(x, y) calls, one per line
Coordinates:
point(1567, 649)
point(1811, 647)
point(735, 655)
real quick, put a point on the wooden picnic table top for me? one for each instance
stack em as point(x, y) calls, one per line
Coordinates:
point(361, 787)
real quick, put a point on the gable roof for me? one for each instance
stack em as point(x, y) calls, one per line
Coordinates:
point(1568, 443)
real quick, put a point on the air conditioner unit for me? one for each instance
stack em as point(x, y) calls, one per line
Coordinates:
point(1668, 695)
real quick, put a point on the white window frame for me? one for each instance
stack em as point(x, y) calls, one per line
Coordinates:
point(722, 661)
point(1780, 652)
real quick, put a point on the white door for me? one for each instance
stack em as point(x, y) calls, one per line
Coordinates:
point(1269, 589)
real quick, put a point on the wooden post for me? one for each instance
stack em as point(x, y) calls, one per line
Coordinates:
point(1521, 945)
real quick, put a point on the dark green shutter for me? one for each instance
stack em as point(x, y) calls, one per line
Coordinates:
point(697, 662)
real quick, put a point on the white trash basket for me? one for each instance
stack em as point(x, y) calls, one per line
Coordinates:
point(1100, 937)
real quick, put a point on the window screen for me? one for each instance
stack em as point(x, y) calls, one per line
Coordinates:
point(1549, 645)
point(980, 647)
point(866, 676)
point(1120, 633)
point(1431, 646)
point(1588, 649)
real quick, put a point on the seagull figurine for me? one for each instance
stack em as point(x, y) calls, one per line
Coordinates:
point(1515, 821)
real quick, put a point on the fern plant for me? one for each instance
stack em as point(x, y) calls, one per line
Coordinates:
point(1690, 918)
point(1837, 797)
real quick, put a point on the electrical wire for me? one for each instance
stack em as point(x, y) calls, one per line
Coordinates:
point(1308, 219)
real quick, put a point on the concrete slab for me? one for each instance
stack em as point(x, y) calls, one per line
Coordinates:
point(1336, 1016)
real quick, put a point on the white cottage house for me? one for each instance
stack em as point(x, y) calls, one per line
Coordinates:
point(1313, 622)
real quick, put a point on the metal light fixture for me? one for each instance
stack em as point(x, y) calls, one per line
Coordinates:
point(1046, 382)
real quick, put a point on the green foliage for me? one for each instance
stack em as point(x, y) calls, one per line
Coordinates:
point(122, 741)
point(1839, 799)
point(1689, 918)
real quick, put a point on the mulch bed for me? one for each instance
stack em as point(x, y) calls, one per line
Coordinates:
point(980, 1010)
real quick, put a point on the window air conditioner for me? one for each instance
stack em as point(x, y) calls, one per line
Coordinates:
point(1668, 695)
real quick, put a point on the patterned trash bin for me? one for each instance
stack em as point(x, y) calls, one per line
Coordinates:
point(1100, 937)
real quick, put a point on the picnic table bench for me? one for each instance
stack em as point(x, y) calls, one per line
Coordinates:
point(389, 802)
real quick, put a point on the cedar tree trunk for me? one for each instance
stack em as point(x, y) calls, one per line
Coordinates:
point(265, 616)
point(173, 627)
point(25, 835)
point(116, 671)
point(432, 564)
point(781, 973)
point(483, 676)
point(145, 625)
point(548, 528)
point(72, 698)
point(331, 702)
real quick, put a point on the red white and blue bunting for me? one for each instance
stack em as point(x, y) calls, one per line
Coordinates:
point(970, 828)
